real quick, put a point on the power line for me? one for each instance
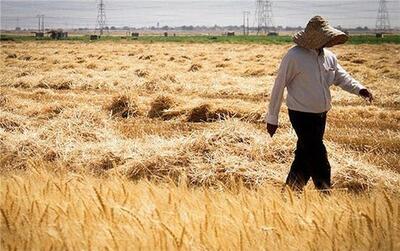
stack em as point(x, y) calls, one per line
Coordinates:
point(341, 11)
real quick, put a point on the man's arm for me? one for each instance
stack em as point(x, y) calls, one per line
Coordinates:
point(285, 73)
point(349, 84)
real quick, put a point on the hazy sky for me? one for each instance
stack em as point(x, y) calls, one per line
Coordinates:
point(138, 13)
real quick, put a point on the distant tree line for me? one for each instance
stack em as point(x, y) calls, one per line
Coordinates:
point(203, 28)
point(215, 28)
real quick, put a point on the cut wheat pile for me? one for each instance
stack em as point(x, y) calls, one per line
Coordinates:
point(163, 146)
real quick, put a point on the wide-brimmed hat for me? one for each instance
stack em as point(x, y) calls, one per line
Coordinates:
point(318, 34)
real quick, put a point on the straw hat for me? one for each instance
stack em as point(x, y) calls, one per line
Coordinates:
point(318, 34)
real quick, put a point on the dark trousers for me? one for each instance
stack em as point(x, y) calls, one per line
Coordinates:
point(311, 160)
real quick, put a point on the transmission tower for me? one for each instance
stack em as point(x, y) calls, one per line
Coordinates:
point(246, 25)
point(382, 20)
point(101, 17)
point(263, 16)
point(40, 23)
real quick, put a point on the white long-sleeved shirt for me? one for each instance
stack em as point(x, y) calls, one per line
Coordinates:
point(307, 77)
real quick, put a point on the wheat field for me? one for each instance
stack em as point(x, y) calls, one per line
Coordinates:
point(162, 146)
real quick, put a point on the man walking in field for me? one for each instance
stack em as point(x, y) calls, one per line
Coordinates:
point(307, 71)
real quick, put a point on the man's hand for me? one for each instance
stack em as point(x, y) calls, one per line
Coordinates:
point(366, 94)
point(271, 129)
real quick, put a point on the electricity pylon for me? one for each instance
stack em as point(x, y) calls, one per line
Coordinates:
point(263, 16)
point(382, 20)
point(246, 25)
point(101, 17)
